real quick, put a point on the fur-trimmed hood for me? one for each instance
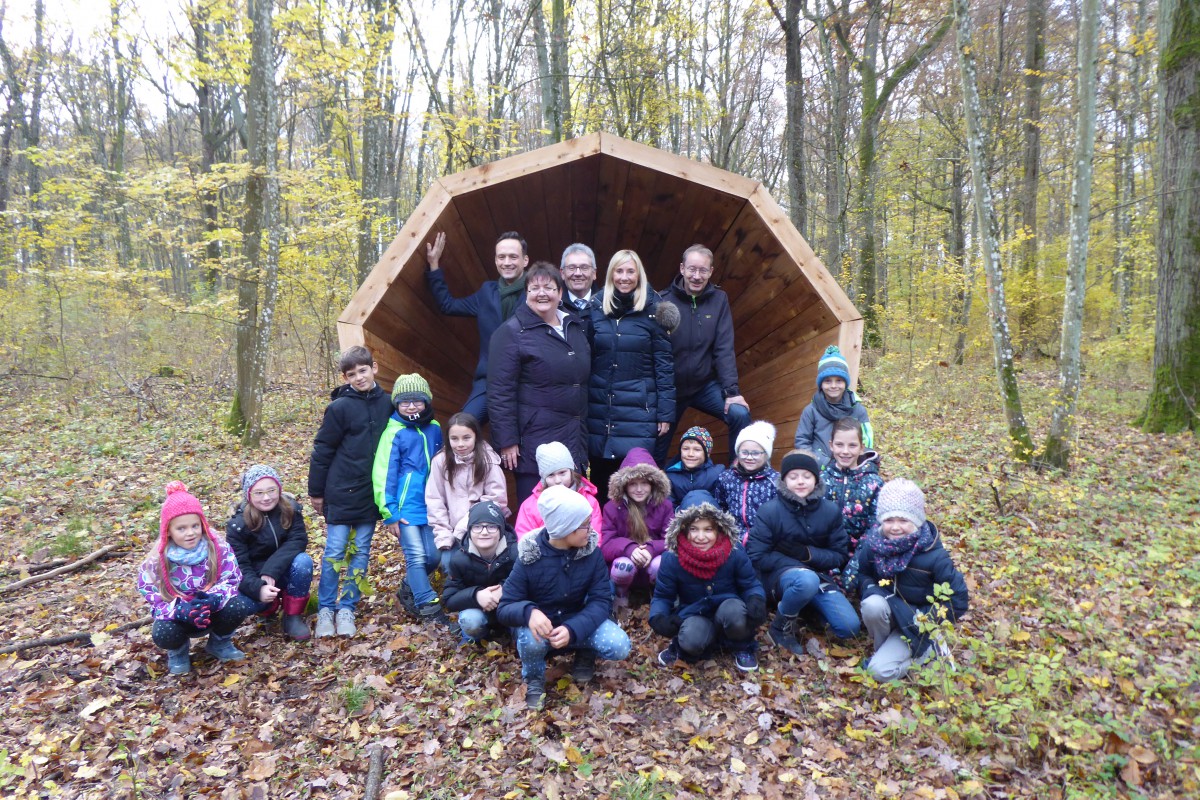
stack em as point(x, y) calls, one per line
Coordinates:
point(639, 464)
point(529, 549)
point(725, 523)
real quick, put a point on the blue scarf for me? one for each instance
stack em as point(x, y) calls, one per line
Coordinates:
point(188, 558)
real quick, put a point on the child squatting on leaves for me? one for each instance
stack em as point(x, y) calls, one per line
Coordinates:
point(478, 568)
point(901, 564)
point(636, 517)
point(190, 579)
point(558, 596)
point(268, 537)
point(721, 601)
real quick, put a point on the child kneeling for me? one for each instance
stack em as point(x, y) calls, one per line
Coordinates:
point(478, 568)
point(721, 601)
point(900, 561)
point(558, 596)
point(190, 579)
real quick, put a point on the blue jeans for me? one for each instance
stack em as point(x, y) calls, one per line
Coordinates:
point(299, 580)
point(710, 400)
point(475, 623)
point(609, 641)
point(421, 557)
point(337, 541)
point(799, 587)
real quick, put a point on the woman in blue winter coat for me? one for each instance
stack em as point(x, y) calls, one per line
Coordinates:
point(720, 600)
point(797, 543)
point(558, 596)
point(694, 470)
point(631, 396)
point(537, 380)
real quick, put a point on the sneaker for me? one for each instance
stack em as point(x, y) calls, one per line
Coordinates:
point(745, 660)
point(782, 634)
point(535, 696)
point(408, 600)
point(179, 660)
point(324, 623)
point(583, 669)
point(669, 656)
point(433, 612)
point(221, 648)
point(344, 622)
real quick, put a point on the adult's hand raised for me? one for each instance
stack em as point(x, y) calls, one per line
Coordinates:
point(434, 250)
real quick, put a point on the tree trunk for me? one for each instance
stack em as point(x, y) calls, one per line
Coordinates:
point(1027, 206)
point(1058, 441)
point(1171, 406)
point(958, 252)
point(260, 231)
point(793, 73)
point(989, 239)
point(1124, 226)
point(380, 31)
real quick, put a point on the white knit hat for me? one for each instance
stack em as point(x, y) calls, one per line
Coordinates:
point(551, 457)
point(760, 432)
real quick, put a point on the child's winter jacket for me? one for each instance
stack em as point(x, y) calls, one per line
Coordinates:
point(792, 531)
point(854, 491)
point(447, 506)
point(614, 536)
point(401, 467)
point(530, 519)
point(189, 580)
point(268, 551)
point(741, 495)
point(343, 451)
point(469, 572)
point(571, 586)
point(701, 479)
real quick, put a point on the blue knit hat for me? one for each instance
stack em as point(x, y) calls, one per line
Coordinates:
point(833, 365)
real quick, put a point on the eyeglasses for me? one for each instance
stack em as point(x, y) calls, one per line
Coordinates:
point(751, 453)
point(485, 529)
point(698, 271)
point(265, 494)
point(571, 269)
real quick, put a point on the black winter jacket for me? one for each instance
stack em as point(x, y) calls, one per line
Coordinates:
point(703, 342)
point(344, 452)
point(909, 592)
point(791, 532)
point(469, 572)
point(483, 305)
point(268, 550)
point(537, 386)
point(571, 587)
point(633, 381)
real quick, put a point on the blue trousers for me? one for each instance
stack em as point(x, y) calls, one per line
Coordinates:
point(299, 581)
point(337, 541)
point(710, 400)
point(799, 587)
point(609, 641)
point(421, 557)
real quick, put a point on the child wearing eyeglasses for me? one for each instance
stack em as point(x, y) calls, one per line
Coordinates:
point(751, 481)
point(478, 566)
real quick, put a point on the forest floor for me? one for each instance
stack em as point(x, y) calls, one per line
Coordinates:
point(1076, 676)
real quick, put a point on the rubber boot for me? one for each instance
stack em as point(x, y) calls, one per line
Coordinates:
point(221, 648)
point(179, 660)
point(584, 666)
point(535, 695)
point(293, 624)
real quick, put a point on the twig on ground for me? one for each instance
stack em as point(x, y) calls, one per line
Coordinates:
point(374, 772)
point(67, 638)
point(33, 569)
point(103, 551)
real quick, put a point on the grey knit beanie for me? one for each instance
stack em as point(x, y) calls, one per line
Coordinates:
point(901, 498)
point(563, 511)
point(485, 512)
point(411, 386)
point(553, 456)
point(255, 474)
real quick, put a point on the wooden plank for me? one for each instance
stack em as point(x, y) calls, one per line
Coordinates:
point(409, 324)
point(795, 301)
point(786, 337)
point(777, 278)
point(558, 212)
point(462, 268)
point(704, 175)
point(812, 267)
point(522, 164)
point(350, 335)
point(448, 397)
point(671, 204)
point(850, 343)
point(703, 220)
point(636, 202)
point(476, 214)
point(610, 206)
point(584, 187)
point(528, 198)
point(748, 249)
point(786, 369)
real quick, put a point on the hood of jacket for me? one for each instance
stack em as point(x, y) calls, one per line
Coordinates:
point(796, 501)
point(639, 465)
point(346, 390)
point(868, 461)
point(529, 548)
point(725, 523)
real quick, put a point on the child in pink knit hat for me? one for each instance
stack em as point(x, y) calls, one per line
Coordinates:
point(190, 579)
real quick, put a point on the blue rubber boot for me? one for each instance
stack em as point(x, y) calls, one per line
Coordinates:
point(179, 660)
point(221, 647)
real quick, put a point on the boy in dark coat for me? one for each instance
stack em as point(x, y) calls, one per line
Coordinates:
point(797, 541)
point(339, 486)
point(721, 601)
point(478, 569)
point(901, 562)
point(694, 470)
point(558, 596)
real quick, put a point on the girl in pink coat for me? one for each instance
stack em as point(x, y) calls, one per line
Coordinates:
point(556, 467)
point(466, 471)
point(636, 517)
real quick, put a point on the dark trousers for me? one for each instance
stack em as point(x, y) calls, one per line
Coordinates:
point(710, 400)
point(171, 635)
point(476, 404)
point(728, 626)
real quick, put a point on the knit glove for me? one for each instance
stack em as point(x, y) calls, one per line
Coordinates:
point(194, 613)
point(666, 626)
point(756, 610)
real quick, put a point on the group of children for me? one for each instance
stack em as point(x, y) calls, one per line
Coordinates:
point(713, 545)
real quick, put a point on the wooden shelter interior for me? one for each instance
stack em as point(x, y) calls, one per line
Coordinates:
point(611, 194)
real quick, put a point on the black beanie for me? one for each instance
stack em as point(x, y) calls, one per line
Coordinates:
point(799, 461)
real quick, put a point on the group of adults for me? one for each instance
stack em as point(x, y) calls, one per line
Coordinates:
point(601, 369)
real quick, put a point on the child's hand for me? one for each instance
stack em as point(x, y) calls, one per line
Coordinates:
point(318, 505)
point(641, 557)
point(540, 625)
point(268, 592)
point(560, 637)
point(393, 529)
point(488, 597)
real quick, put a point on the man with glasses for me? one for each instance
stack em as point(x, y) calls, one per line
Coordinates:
point(705, 367)
point(578, 267)
point(493, 303)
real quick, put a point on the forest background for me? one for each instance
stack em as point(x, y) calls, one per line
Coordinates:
point(187, 204)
